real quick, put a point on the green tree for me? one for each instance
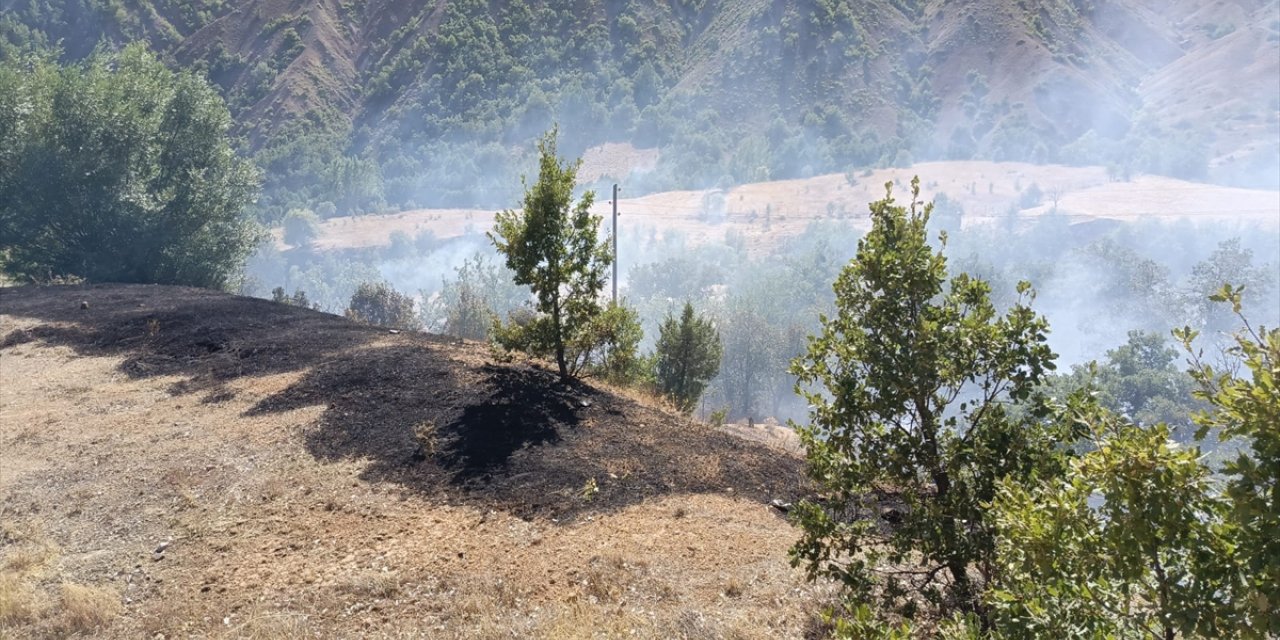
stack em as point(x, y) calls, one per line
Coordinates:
point(119, 169)
point(1246, 406)
point(688, 356)
point(377, 303)
point(552, 246)
point(467, 306)
point(1139, 379)
point(753, 357)
point(1140, 541)
point(1229, 262)
point(909, 385)
point(301, 226)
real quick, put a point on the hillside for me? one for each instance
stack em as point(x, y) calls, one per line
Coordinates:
point(767, 214)
point(182, 463)
point(373, 105)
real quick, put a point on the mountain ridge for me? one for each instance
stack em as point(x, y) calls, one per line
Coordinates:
point(375, 105)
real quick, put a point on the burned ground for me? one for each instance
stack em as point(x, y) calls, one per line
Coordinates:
point(426, 411)
point(318, 477)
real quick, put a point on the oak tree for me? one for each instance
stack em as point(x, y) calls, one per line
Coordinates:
point(910, 385)
point(552, 245)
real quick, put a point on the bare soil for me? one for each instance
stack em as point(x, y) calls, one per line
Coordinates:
point(183, 463)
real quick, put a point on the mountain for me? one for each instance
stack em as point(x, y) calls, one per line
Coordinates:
point(374, 104)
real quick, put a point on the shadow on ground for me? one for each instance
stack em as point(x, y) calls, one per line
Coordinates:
point(426, 412)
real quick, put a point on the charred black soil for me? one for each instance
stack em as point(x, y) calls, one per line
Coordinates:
point(433, 415)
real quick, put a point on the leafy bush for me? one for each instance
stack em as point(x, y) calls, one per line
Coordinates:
point(379, 304)
point(612, 342)
point(1138, 542)
point(120, 170)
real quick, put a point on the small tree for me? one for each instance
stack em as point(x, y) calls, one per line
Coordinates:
point(552, 246)
point(688, 356)
point(611, 344)
point(909, 386)
point(298, 299)
point(380, 304)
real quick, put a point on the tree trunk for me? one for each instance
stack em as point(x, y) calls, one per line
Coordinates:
point(957, 567)
point(559, 337)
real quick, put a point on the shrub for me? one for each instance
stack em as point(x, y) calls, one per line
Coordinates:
point(120, 170)
point(381, 305)
point(301, 227)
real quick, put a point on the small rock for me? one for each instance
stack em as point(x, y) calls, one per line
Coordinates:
point(157, 557)
point(585, 403)
point(780, 505)
point(162, 546)
point(393, 331)
point(84, 304)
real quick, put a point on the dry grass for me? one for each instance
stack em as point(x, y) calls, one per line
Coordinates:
point(373, 584)
point(274, 539)
point(20, 604)
point(27, 559)
point(274, 625)
point(87, 608)
point(582, 621)
point(733, 587)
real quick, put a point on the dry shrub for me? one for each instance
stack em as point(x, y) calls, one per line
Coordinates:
point(586, 622)
point(609, 578)
point(87, 608)
point(26, 559)
point(279, 625)
point(19, 603)
point(733, 588)
point(373, 584)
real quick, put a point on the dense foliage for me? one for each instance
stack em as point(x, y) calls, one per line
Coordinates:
point(909, 384)
point(429, 104)
point(551, 245)
point(688, 356)
point(1139, 541)
point(118, 169)
point(379, 304)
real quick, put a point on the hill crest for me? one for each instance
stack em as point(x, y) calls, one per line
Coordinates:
point(309, 470)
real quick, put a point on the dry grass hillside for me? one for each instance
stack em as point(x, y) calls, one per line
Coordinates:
point(184, 463)
point(767, 213)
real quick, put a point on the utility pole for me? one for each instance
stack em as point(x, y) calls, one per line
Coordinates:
point(615, 244)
